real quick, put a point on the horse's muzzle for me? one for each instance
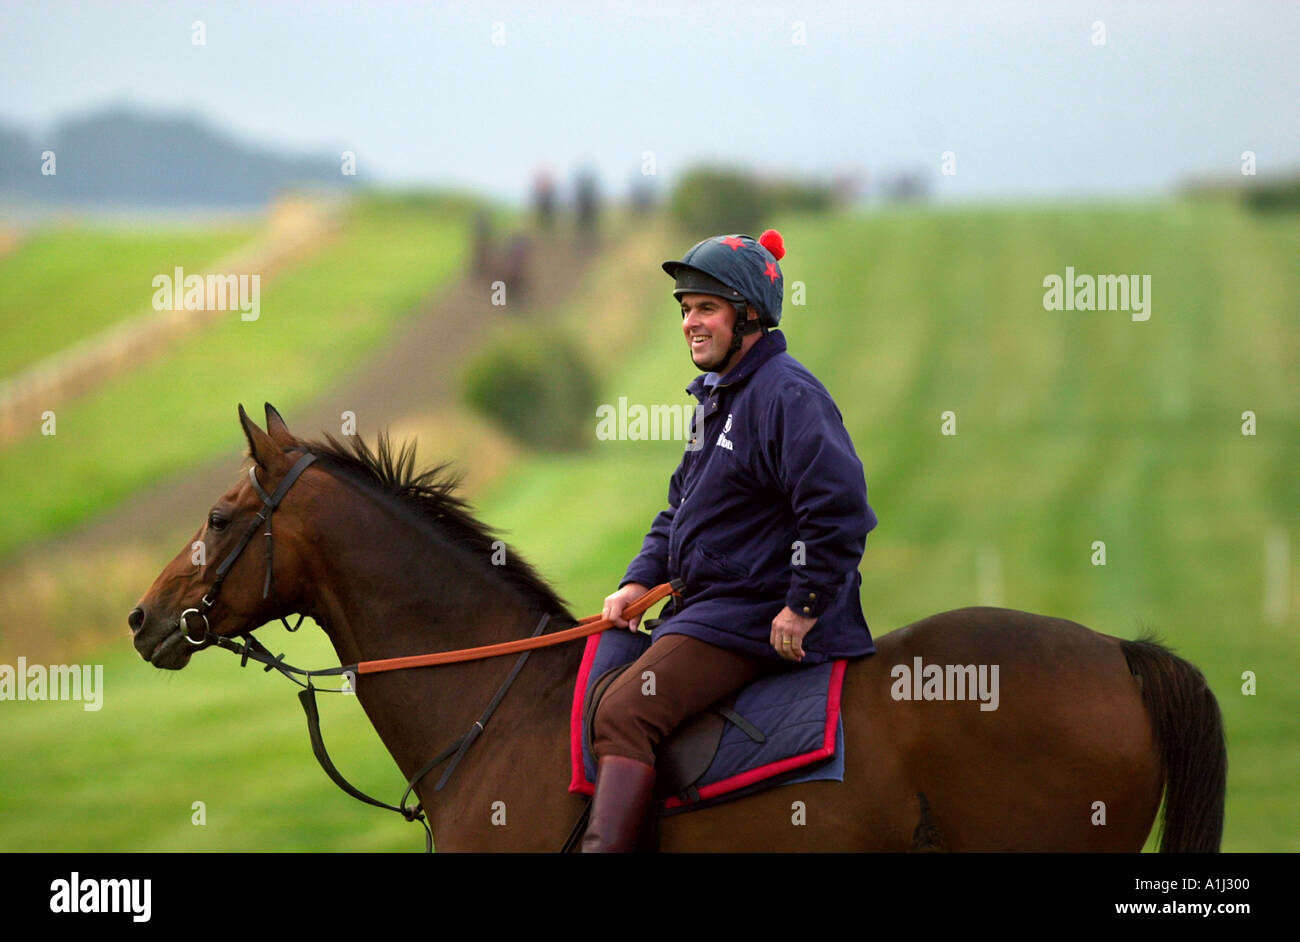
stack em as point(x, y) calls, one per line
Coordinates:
point(159, 642)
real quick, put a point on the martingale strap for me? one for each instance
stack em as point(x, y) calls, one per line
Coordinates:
point(456, 751)
point(253, 650)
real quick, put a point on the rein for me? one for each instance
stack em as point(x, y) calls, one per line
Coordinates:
point(254, 650)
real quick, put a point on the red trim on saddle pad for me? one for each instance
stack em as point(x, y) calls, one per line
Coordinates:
point(579, 784)
point(745, 779)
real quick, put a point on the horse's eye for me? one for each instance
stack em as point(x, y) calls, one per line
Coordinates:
point(216, 521)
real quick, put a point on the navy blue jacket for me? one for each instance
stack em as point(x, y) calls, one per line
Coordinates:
point(776, 469)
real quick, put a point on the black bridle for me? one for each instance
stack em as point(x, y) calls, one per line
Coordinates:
point(269, 503)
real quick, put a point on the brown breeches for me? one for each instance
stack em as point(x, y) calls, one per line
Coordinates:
point(686, 676)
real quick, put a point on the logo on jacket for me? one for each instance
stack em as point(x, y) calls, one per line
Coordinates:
point(723, 440)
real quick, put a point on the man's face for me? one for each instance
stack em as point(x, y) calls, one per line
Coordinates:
point(707, 321)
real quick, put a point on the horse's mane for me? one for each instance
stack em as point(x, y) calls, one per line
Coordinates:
point(431, 493)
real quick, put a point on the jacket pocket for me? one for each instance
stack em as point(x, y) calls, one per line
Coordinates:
point(710, 560)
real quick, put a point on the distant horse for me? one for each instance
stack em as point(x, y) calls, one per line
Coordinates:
point(1087, 732)
point(481, 243)
point(513, 265)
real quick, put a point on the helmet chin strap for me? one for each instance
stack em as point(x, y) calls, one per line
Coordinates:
point(741, 329)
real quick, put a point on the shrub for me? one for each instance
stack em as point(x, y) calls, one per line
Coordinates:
point(710, 200)
point(1277, 195)
point(537, 385)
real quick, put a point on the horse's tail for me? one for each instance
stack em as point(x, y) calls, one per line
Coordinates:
point(1193, 750)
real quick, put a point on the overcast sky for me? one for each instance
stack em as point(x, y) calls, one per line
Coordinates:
point(1022, 94)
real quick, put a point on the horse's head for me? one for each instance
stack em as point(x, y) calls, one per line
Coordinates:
point(219, 583)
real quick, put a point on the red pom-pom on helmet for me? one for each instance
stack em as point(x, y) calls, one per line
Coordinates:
point(772, 241)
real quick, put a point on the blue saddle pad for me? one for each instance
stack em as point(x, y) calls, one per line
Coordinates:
point(797, 710)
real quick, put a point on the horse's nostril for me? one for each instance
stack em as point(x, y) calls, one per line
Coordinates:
point(135, 619)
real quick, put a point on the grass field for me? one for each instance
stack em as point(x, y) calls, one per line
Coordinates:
point(1072, 427)
point(65, 283)
point(317, 321)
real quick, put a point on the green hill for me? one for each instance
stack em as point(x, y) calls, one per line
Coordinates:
point(1071, 428)
point(65, 283)
point(317, 320)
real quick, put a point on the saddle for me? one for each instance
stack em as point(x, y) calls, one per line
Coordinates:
point(687, 753)
point(782, 728)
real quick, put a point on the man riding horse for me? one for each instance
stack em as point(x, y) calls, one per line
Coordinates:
point(766, 522)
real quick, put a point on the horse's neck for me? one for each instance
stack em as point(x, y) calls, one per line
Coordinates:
point(441, 600)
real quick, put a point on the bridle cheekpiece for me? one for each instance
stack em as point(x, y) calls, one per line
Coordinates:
point(269, 503)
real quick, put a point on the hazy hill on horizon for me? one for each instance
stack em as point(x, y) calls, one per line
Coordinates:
point(119, 156)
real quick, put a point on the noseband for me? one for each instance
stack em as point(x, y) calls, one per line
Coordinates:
point(269, 503)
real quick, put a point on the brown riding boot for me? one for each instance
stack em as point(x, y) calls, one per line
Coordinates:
point(624, 788)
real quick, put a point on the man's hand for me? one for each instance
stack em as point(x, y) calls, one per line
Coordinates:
point(614, 605)
point(788, 631)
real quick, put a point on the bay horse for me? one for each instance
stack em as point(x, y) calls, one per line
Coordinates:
point(1087, 733)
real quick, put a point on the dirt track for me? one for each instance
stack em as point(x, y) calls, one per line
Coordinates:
point(413, 373)
point(294, 229)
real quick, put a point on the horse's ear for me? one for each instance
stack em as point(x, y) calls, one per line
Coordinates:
point(260, 445)
point(279, 432)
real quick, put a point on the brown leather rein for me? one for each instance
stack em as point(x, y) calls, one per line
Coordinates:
point(587, 626)
point(252, 649)
point(590, 625)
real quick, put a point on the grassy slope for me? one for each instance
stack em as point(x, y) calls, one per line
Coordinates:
point(316, 321)
point(1072, 427)
point(64, 284)
point(126, 777)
